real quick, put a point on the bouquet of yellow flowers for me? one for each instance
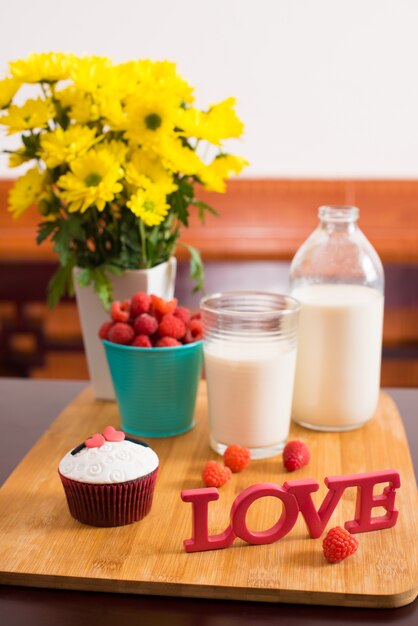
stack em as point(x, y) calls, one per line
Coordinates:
point(116, 150)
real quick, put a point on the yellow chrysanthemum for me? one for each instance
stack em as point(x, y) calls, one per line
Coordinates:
point(150, 117)
point(26, 191)
point(149, 203)
point(63, 146)
point(109, 107)
point(33, 114)
point(8, 89)
point(148, 165)
point(94, 73)
point(118, 150)
point(179, 158)
point(48, 67)
point(220, 122)
point(213, 176)
point(18, 157)
point(164, 74)
point(81, 107)
point(93, 181)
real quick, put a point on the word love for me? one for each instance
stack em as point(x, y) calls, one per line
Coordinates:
point(296, 498)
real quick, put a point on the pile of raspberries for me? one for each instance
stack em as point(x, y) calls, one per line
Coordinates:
point(148, 321)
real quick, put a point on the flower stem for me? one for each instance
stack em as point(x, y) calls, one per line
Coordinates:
point(143, 243)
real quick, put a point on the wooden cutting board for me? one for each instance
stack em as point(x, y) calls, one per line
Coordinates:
point(41, 545)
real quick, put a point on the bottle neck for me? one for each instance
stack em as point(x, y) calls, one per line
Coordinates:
point(338, 218)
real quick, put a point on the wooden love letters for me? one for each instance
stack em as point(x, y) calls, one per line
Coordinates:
point(296, 498)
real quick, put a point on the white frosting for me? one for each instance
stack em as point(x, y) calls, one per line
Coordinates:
point(114, 462)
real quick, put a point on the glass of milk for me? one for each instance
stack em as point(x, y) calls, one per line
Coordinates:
point(338, 278)
point(250, 355)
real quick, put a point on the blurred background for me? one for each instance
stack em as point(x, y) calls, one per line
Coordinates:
point(329, 97)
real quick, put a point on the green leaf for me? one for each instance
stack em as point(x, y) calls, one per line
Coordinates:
point(32, 144)
point(45, 229)
point(85, 277)
point(181, 199)
point(204, 208)
point(103, 287)
point(114, 269)
point(61, 116)
point(60, 284)
point(196, 267)
point(67, 232)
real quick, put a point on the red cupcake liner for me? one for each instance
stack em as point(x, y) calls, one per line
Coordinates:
point(111, 504)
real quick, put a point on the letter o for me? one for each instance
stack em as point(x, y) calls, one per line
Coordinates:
point(283, 525)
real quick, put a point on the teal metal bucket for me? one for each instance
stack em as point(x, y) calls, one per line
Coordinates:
point(155, 388)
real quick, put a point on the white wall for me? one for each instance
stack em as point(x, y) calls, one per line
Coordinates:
point(327, 88)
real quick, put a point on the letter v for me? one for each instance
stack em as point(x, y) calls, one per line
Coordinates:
point(315, 520)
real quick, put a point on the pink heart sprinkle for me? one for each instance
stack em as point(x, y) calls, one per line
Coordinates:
point(95, 441)
point(111, 434)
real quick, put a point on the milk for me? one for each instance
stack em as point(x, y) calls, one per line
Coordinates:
point(250, 393)
point(339, 355)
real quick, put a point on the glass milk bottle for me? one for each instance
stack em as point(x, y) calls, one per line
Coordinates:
point(338, 278)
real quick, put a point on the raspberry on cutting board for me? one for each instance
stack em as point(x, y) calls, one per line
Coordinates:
point(215, 475)
point(295, 455)
point(236, 458)
point(338, 544)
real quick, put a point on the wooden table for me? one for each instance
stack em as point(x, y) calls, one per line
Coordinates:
point(26, 409)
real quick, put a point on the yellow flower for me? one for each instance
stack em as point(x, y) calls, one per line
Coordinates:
point(94, 73)
point(149, 203)
point(18, 157)
point(33, 114)
point(26, 191)
point(80, 105)
point(109, 107)
point(93, 181)
point(48, 67)
point(147, 165)
point(150, 117)
point(164, 74)
point(213, 176)
point(220, 122)
point(118, 150)
point(63, 146)
point(8, 89)
point(179, 158)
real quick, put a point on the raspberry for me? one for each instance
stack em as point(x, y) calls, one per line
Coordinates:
point(215, 475)
point(121, 333)
point(145, 324)
point(140, 303)
point(104, 330)
point(188, 337)
point(182, 313)
point(163, 307)
point(120, 311)
point(295, 455)
point(172, 326)
point(196, 328)
point(167, 342)
point(339, 544)
point(236, 458)
point(197, 316)
point(142, 341)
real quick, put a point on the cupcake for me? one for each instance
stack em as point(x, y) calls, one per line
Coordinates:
point(109, 479)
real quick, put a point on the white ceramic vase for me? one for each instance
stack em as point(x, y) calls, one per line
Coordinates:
point(158, 280)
